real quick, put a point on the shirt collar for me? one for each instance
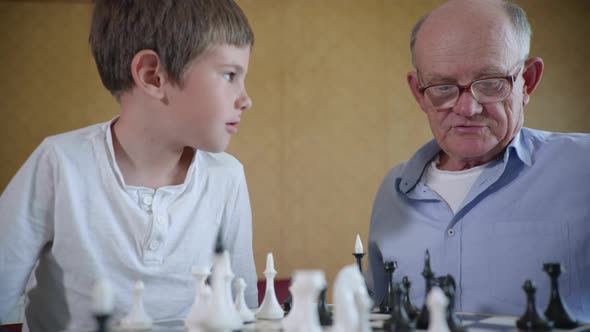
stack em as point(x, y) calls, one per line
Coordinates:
point(414, 168)
point(109, 142)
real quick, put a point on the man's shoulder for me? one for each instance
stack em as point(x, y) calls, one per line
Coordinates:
point(547, 140)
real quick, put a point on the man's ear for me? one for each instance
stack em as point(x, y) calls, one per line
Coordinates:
point(533, 70)
point(147, 73)
point(414, 85)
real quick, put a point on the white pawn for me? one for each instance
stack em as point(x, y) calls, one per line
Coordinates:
point(202, 297)
point(137, 319)
point(363, 304)
point(437, 303)
point(102, 298)
point(352, 304)
point(102, 303)
point(306, 289)
point(358, 245)
point(221, 314)
point(270, 307)
point(245, 312)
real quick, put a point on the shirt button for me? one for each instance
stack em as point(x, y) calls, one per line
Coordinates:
point(154, 245)
point(160, 220)
point(147, 200)
point(451, 232)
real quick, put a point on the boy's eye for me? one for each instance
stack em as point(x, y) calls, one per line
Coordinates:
point(230, 76)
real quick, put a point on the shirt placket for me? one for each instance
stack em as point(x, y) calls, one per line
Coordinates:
point(154, 245)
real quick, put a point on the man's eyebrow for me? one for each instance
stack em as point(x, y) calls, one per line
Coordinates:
point(439, 79)
point(491, 72)
point(432, 79)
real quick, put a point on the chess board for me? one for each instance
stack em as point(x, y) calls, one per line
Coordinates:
point(473, 323)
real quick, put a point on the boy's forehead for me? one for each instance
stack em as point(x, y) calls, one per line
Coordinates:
point(226, 51)
point(226, 54)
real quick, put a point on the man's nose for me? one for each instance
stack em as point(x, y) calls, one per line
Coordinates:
point(467, 105)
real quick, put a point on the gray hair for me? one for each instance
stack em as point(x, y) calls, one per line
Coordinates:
point(517, 17)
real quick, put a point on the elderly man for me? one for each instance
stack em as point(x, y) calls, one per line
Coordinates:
point(491, 200)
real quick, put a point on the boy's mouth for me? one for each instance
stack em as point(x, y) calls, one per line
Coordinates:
point(232, 127)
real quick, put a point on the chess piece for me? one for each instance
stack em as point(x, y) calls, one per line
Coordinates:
point(137, 318)
point(102, 304)
point(532, 320)
point(359, 252)
point(306, 288)
point(288, 303)
point(411, 310)
point(270, 307)
point(437, 303)
point(387, 303)
point(323, 311)
point(448, 286)
point(352, 304)
point(245, 312)
point(423, 319)
point(399, 320)
point(202, 297)
point(363, 305)
point(221, 314)
point(557, 311)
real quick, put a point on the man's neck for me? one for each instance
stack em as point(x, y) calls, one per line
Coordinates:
point(144, 156)
point(447, 163)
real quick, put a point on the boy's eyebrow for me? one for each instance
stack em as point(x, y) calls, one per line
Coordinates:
point(238, 68)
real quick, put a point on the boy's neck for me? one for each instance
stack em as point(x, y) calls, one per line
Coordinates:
point(145, 158)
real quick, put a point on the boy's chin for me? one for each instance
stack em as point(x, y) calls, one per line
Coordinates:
point(214, 148)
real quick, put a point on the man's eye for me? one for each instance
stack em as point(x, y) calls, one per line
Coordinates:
point(441, 89)
point(229, 76)
point(487, 84)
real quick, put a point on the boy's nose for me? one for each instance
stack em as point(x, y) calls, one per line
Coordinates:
point(244, 103)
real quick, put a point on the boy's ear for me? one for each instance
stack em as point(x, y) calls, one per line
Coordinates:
point(147, 73)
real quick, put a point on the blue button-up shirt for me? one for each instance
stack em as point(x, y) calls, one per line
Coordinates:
point(530, 206)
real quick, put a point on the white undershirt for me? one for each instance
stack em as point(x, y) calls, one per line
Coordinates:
point(452, 186)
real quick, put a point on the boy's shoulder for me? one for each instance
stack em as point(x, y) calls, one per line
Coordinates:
point(77, 138)
point(221, 161)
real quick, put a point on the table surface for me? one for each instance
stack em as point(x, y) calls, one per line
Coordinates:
point(473, 323)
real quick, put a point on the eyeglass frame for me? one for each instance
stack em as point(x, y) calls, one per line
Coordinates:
point(462, 88)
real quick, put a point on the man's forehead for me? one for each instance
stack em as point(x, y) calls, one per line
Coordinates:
point(464, 48)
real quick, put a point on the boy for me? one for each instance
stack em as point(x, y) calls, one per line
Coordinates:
point(143, 196)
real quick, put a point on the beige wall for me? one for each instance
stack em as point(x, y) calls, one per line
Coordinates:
point(331, 109)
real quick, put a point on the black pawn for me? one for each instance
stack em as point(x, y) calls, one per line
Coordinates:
point(557, 311)
point(323, 311)
point(411, 310)
point(101, 322)
point(424, 317)
point(399, 320)
point(288, 304)
point(532, 320)
point(386, 305)
point(448, 286)
point(359, 260)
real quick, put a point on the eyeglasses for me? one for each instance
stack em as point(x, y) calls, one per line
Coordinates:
point(487, 90)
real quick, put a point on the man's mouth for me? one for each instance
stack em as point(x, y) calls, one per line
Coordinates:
point(469, 129)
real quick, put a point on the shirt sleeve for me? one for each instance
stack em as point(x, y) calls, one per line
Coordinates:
point(239, 230)
point(26, 212)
